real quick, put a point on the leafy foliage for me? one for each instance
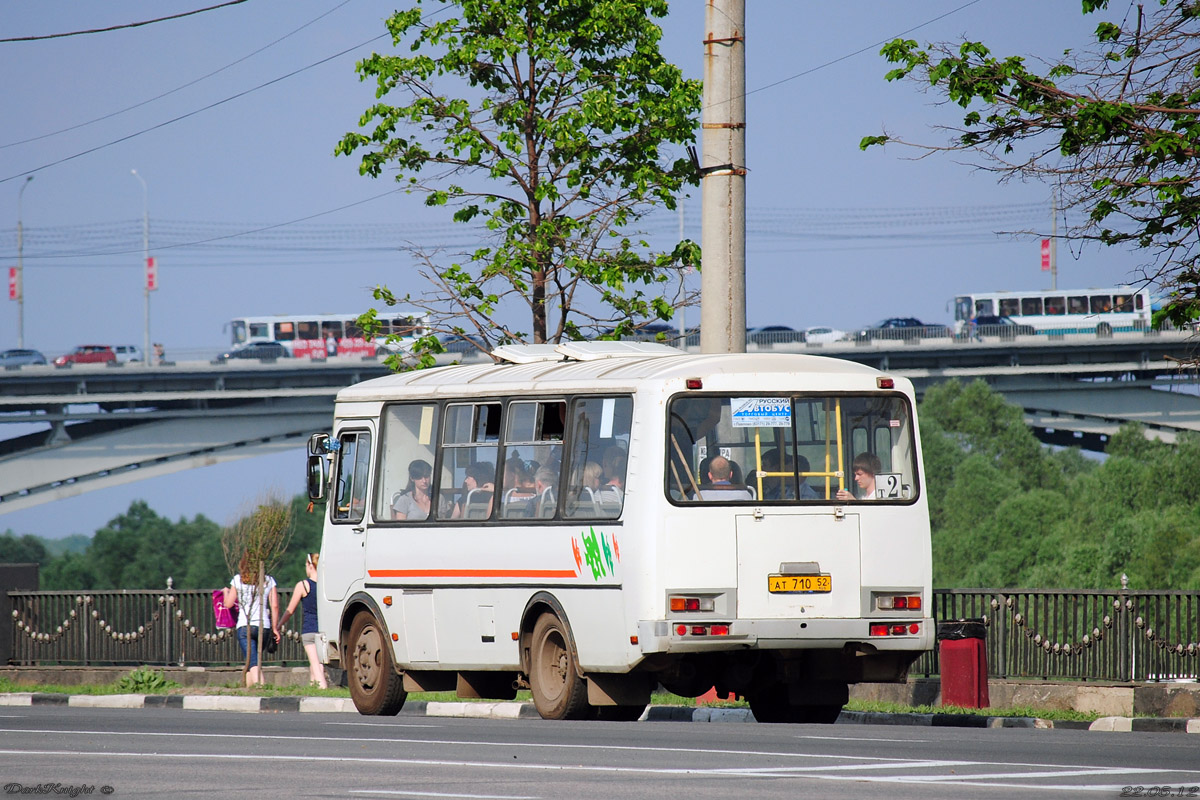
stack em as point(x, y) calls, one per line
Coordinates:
point(145, 680)
point(559, 140)
point(1115, 128)
point(1008, 512)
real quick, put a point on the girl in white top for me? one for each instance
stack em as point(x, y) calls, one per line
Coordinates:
point(253, 613)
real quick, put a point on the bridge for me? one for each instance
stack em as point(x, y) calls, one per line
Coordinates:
point(85, 427)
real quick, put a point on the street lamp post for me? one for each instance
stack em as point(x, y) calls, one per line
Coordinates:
point(145, 263)
point(21, 267)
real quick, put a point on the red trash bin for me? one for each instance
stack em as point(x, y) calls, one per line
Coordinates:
point(962, 653)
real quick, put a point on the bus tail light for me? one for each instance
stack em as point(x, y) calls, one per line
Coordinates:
point(720, 629)
point(885, 383)
point(888, 629)
point(890, 602)
point(681, 603)
point(694, 383)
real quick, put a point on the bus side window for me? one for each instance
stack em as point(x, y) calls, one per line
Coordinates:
point(353, 467)
point(406, 483)
point(1056, 306)
point(533, 438)
point(1077, 305)
point(600, 428)
point(1031, 306)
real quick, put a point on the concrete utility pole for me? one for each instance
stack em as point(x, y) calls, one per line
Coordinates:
point(21, 267)
point(146, 360)
point(723, 176)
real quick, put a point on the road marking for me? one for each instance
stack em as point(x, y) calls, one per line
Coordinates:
point(858, 739)
point(446, 794)
point(384, 725)
point(1014, 779)
point(468, 743)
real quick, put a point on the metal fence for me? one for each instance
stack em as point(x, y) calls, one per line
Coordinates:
point(1112, 636)
point(132, 627)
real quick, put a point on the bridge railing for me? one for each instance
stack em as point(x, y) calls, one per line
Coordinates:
point(1111, 636)
point(133, 626)
point(1116, 636)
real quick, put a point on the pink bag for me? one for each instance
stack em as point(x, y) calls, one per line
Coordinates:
point(226, 617)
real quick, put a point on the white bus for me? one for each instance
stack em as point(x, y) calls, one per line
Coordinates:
point(592, 519)
point(1119, 309)
point(324, 335)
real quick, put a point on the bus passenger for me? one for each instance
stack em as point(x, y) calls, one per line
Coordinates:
point(413, 503)
point(477, 490)
point(866, 466)
point(719, 486)
point(806, 491)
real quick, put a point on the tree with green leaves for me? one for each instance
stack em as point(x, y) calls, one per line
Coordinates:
point(556, 125)
point(1114, 128)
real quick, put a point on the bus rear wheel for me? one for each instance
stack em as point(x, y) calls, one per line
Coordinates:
point(371, 673)
point(558, 690)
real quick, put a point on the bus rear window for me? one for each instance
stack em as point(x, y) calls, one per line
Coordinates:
point(790, 449)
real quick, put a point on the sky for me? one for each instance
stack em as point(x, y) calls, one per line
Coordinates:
point(230, 118)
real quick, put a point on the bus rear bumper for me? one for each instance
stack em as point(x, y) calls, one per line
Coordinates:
point(677, 636)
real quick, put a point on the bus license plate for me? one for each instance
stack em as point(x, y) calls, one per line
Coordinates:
point(799, 584)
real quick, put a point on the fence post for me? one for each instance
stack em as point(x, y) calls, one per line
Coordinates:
point(169, 618)
point(1126, 649)
point(1000, 670)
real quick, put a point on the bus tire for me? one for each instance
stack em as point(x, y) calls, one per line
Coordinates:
point(558, 690)
point(375, 687)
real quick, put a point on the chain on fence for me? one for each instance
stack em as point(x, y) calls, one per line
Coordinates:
point(132, 627)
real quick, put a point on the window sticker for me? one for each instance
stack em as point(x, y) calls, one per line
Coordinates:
point(761, 412)
point(888, 486)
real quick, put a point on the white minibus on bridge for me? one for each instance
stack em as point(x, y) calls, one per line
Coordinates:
point(1105, 311)
point(594, 519)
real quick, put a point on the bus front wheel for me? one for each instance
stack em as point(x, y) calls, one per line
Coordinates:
point(374, 685)
point(558, 690)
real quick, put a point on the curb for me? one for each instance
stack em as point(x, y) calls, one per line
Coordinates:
point(509, 710)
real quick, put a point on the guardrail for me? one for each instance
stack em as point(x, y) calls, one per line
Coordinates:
point(1117, 636)
point(1044, 634)
point(131, 627)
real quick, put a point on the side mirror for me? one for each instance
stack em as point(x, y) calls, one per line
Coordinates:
point(318, 444)
point(316, 476)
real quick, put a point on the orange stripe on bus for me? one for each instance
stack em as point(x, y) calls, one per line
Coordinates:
point(472, 573)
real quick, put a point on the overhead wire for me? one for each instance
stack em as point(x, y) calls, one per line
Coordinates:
point(120, 27)
point(177, 88)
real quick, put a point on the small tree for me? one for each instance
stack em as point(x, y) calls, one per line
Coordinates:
point(563, 144)
point(1115, 128)
point(258, 540)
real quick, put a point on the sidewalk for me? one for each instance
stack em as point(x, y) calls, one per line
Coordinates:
point(421, 708)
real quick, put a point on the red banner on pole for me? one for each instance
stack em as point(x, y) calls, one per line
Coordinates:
point(151, 275)
point(14, 284)
point(1045, 255)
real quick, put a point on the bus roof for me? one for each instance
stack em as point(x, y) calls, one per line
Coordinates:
point(595, 365)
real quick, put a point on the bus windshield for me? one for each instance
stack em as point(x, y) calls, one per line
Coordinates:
point(790, 449)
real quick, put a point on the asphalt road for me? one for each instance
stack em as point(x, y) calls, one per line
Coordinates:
point(176, 753)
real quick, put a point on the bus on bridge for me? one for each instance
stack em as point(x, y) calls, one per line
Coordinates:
point(1119, 309)
point(318, 336)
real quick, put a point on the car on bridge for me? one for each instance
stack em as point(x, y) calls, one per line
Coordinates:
point(88, 354)
point(128, 352)
point(258, 350)
point(903, 329)
point(21, 357)
point(768, 335)
point(1004, 327)
point(823, 334)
